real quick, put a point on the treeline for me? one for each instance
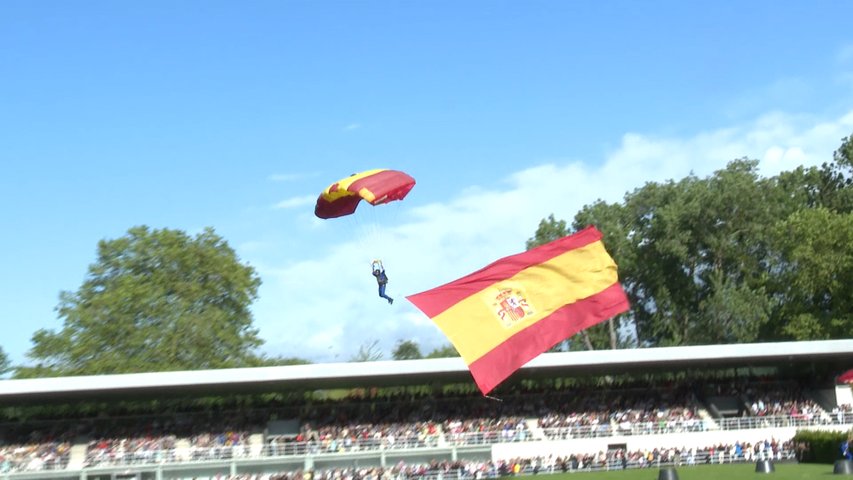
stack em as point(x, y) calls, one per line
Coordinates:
point(730, 258)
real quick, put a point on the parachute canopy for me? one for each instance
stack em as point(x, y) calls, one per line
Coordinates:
point(373, 186)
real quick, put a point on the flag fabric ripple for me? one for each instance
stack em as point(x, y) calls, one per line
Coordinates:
point(507, 313)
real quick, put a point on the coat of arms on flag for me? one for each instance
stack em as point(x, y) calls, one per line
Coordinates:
point(511, 306)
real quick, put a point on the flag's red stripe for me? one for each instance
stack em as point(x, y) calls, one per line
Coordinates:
point(433, 302)
point(495, 366)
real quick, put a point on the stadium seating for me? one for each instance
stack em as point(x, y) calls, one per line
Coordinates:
point(411, 422)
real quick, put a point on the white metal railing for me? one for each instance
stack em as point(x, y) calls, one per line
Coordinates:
point(479, 470)
point(476, 470)
point(742, 423)
point(347, 445)
point(695, 425)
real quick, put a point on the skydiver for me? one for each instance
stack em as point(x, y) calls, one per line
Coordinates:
point(381, 279)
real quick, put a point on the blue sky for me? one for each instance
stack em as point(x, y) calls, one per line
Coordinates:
point(235, 115)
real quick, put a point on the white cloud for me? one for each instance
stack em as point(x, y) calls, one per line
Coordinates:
point(295, 202)
point(325, 308)
point(352, 126)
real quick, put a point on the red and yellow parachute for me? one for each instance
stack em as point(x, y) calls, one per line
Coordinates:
point(375, 187)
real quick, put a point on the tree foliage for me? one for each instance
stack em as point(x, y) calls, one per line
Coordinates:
point(815, 275)
point(733, 257)
point(368, 352)
point(276, 361)
point(446, 351)
point(5, 363)
point(694, 241)
point(154, 300)
point(549, 229)
point(406, 350)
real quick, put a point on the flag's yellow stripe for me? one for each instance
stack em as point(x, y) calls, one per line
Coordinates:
point(473, 326)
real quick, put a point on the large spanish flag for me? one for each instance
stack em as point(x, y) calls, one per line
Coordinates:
point(506, 314)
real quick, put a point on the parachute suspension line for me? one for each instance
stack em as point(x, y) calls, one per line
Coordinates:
point(373, 238)
point(394, 213)
point(377, 228)
point(362, 233)
point(366, 233)
point(342, 198)
point(392, 218)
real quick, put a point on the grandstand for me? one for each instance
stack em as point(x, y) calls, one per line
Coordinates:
point(424, 418)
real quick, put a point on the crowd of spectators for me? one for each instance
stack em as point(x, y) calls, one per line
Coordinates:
point(358, 423)
point(356, 436)
point(34, 457)
point(781, 399)
point(624, 412)
point(40, 447)
point(405, 420)
point(616, 459)
point(478, 419)
point(219, 446)
point(842, 413)
point(130, 450)
point(460, 420)
point(154, 439)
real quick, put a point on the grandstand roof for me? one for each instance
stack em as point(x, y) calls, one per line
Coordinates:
point(408, 372)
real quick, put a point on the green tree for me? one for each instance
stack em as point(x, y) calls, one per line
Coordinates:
point(275, 361)
point(810, 259)
point(838, 178)
point(549, 229)
point(406, 350)
point(368, 352)
point(446, 351)
point(695, 246)
point(815, 276)
point(154, 300)
point(5, 363)
point(731, 313)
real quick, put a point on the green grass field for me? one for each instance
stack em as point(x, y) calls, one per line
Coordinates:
point(784, 471)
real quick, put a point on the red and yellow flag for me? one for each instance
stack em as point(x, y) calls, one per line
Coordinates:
point(509, 312)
